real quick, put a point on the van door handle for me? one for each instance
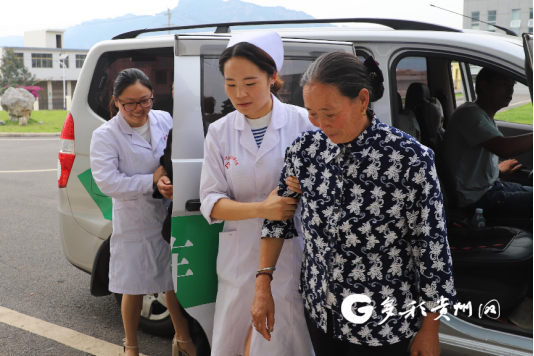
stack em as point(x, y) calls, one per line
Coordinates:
point(192, 205)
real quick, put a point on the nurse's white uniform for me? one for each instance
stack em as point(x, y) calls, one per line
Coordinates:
point(234, 167)
point(122, 164)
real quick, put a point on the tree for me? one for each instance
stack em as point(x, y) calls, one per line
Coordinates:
point(13, 71)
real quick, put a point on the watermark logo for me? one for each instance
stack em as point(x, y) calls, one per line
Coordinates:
point(366, 311)
point(491, 309)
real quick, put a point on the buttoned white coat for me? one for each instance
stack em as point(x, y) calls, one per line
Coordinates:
point(122, 164)
point(235, 168)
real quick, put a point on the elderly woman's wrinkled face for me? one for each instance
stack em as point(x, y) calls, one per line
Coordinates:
point(341, 118)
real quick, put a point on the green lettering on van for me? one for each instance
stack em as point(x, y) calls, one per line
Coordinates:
point(103, 201)
point(194, 259)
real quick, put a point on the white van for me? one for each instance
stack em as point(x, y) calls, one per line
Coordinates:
point(439, 60)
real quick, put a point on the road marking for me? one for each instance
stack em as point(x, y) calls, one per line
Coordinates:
point(29, 139)
point(514, 105)
point(30, 171)
point(59, 334)
point(521, 103)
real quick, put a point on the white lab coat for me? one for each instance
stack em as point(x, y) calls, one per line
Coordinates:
point(235, 168)
point(122, 164)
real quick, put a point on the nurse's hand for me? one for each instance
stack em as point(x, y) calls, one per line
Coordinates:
point(293, 184)
point(278, 208)
point(158, 174)
point(262, 309)
point(165, 187)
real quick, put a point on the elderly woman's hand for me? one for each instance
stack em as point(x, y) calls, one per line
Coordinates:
point(262, 309)
point(165, 187)
point(293, 184)
point(160, 172)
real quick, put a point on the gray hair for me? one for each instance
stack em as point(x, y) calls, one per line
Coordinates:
point(347, 73)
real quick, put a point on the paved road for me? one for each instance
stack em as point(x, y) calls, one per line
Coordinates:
point(35, 277)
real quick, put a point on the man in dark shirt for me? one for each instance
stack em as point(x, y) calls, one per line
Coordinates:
point(473, 144)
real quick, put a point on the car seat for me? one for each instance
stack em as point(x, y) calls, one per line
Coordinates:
point(407, 121)
point(488, 263)
point(415, 94)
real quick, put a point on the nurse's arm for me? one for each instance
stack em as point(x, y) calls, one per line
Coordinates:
point(105, 170)
point(262, 309)
point(274, 208)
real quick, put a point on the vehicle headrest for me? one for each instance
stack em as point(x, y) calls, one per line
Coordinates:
point(408, 123)
point(399, 102)
point(415, 94)
point(430, 115)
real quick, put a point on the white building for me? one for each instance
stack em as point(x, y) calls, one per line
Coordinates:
point(40, 54)
point(513, 14)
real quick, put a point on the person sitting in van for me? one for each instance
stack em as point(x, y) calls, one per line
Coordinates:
point(473, 144)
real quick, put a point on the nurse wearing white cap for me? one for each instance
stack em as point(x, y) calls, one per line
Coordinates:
point(243, 157)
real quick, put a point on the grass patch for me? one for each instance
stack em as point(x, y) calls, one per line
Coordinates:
point(521, 115)
point(458, 95)
point(52, 122)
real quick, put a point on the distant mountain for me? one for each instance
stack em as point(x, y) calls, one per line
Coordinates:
point(188, 12)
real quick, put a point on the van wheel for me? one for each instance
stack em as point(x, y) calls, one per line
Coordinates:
point(155, 318)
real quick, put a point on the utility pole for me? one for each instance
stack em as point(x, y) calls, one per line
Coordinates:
point(168, 14)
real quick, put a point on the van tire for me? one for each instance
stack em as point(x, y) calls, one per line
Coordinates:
point(160, 327)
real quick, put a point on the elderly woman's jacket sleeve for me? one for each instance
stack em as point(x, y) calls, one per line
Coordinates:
point(286, 228)
point(427, 233)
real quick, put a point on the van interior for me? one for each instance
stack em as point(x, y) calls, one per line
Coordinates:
point(492, 265)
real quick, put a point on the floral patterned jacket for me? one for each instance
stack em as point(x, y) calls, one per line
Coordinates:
point(373, 223)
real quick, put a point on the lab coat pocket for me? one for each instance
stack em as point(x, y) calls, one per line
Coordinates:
point(227, 256)
point(126, 217)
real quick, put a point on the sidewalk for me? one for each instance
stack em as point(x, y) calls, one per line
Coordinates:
point(30, 134)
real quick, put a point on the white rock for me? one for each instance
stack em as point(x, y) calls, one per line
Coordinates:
point(19, 104)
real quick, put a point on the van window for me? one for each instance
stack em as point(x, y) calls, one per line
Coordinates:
point(519, 110)
point(156, 63)
point(410, 70)
point(215, 103)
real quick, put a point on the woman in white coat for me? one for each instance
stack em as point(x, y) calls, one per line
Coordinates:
point(124, 156)
point(243, 157)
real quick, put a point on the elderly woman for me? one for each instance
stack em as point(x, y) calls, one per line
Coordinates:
point(372, 220)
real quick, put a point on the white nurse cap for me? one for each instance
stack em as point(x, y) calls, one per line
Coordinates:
point(268, 41)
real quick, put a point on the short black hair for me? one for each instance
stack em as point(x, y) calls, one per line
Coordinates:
point(486, 75)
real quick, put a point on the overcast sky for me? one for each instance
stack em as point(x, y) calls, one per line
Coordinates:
point(19, 16)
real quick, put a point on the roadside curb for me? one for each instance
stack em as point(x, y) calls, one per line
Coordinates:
point(30, 134)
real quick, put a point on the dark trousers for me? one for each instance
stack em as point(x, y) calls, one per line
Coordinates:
point(506, 199)
point(509, 201)
point(326, 345)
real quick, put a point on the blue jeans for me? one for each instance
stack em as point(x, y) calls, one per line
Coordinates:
point(506, 199)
